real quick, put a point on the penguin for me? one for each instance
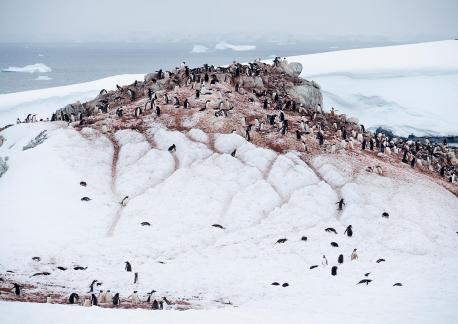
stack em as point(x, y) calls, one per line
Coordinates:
point(282, 116)
point(94, 301)
point(397, 284)
point(172, 148)
point(155, 305)
point(101, 298)
point(367, 274)
point(137, 112)
point(340, 259)
point(186, 104)
point(324, 261)
point(158, 111)
point(149, 295)
point(41, 274)
point(176, 102)
point(354, 255)
point(17, 289)
point(304, 238)
point(134, 297)
point(218, 226)
point(385, 215)
point(197, 93)
point(334, 244)
point(166, 99)
point(285, 284)
point(247, 134)
point(234, 152)
point(131, 94)
point(118, 87)
point(119, 112)
point(108, 296)
point(62, 268)
point(85, 199)
point(145, 224)
point(116, 300)
point(366, 281)
point(349, 231)
point(334, 270)
point(168, 302)
point(79, 268)
point(124, 201)
point(313, 267)
point(298, 135)
point(135, 277)
point(331, 230)
point(91, 286)
point(36, 259)
point(128, 266)
point(282, 240)
point(73, 298)
point(265, 104)
point(275, 283)
point(341, 203)
point(380, 260)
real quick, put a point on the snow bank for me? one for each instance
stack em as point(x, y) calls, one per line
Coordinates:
point(44, 102)
point(34, 68)
point(407, 88)
point(238, 48)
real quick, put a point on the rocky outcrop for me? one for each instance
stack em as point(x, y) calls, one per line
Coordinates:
point(308, 94)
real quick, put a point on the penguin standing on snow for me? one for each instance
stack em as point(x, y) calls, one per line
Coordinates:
point(324, 262)
point(135, 277)
point(186, 103)
point(349, 231)
point(128, 266)
point(341, 203)
point(340, 259)
point(158, 111)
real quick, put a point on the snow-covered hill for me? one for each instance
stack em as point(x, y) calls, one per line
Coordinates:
point(259, 197)
point(257, 194)
point(407, 88)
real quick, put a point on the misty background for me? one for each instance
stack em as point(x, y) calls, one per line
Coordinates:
point(86, 40)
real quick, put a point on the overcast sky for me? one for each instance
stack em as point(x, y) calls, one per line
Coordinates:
point(80, 20)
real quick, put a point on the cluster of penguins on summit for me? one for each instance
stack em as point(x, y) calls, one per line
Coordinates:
point(332, 131)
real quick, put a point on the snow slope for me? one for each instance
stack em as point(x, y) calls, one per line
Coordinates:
point(44, 102)
point(407, 88)
point(259, 197)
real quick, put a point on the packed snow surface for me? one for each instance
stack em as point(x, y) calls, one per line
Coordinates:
point(259, 196)
point(33, 68)
point(406, 88)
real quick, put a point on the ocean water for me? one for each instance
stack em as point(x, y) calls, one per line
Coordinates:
point(80, 62)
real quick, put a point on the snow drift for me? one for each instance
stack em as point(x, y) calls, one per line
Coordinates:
point(407, 88)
